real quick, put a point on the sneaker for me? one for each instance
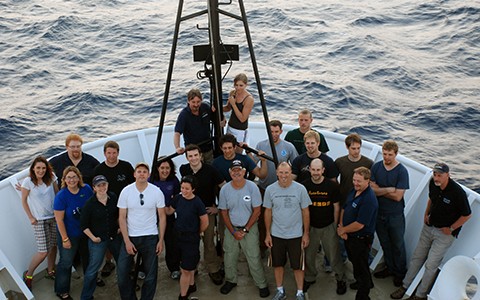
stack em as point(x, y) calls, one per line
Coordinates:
point(413, 297)
point(100, 282)
point(279, 296)
point(141, 275)
point(191, 289)
point(264, 292)
point(398, 294)
point(175, 275)
point(50, 275)
point(107, 269)
point(307, 284)
point(341, 287)
point(227, 287)
point(28, 280)
point(216, 277)
point(354, 285)
point(383, 274)
point(300, 297)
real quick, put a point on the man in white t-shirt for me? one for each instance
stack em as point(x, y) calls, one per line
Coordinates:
point(140, 204)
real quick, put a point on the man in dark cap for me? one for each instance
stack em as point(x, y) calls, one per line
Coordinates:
point(240, 203)
point(447, 210)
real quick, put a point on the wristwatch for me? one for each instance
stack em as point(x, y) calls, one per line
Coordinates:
point(245, 229)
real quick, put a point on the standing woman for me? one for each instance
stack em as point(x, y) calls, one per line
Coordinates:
point(38, 191)
point(192, 220)
point(67, 207)
point(240, 101)
point(164, 177)
point(99, 222)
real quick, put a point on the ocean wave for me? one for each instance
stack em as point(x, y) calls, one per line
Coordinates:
point(405, 70)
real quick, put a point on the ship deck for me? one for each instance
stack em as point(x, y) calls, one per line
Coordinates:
point(168, 289)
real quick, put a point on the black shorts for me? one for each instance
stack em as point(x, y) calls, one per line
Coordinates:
point(188, 244)
point(292, 247)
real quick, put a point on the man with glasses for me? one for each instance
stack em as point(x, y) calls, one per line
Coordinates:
point(208, 181)
point(140, 204)
point(75, 157)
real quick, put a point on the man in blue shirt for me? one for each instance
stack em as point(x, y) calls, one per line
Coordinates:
point(194, 123)
point(357, 228)
point(389, 182)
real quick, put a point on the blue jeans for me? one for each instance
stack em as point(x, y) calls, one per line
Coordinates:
point(146, 248)
point(97, 253)
point(390, 230)
point(65, 263)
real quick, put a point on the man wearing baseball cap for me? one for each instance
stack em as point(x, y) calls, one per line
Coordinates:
point(447, 210)
point(240, 202)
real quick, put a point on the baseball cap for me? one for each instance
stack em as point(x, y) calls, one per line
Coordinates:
point(236, 164)
point(142, 164)
point(441, 168)
point(99, 179)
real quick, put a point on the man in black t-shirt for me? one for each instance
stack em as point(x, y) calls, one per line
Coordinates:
point(301, 164)
point(324, 214)
point(208, 181)
point(119, 174)
point(447, 210)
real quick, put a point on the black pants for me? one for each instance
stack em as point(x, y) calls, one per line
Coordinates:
point(172, 254)
point(358, 249)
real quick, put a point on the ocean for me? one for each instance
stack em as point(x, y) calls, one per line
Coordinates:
point(402, 70)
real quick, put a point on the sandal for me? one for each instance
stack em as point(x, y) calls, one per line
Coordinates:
point(28, 280)
point(50, 274)
point(64, 296)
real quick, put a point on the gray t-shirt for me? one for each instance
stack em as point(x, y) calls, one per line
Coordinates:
point(286, 204)
point(286, 152)
point(241, 202)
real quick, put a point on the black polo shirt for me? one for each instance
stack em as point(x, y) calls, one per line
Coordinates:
point(102, 220)
point(447, 205)
point(208, 178)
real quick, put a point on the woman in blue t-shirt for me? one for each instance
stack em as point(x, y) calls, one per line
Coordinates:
point(67, 207)
point(192, 219)
point(164, 177)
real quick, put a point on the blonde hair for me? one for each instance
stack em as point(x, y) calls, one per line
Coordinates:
point(311, 134)
point(241, 77)
point(77, 172)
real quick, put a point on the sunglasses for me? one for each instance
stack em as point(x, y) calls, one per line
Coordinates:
point(141, 200)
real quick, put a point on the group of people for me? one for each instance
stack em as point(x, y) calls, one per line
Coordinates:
point(305, 202)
